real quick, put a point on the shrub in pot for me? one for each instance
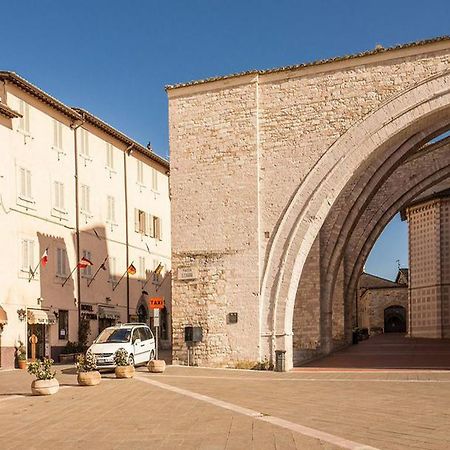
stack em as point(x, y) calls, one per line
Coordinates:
point(88, 375)
point(21, 356)
point(124, 369)
point(45, 382)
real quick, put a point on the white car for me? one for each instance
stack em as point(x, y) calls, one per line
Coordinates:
point(136, 338)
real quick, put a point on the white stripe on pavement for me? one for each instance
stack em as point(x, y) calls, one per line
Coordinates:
point(306, 431)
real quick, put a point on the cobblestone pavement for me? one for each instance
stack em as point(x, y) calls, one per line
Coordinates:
point(195, 408)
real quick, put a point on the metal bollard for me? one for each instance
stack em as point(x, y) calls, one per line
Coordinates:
point(280, 360)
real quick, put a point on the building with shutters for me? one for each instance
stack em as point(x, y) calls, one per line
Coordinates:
point(73, 187)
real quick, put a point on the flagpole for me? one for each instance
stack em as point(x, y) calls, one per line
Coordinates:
point(65, 281)
point(33, 272)
point(121, 278)
point(98, 270)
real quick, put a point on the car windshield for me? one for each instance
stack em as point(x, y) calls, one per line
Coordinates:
point(111, 335)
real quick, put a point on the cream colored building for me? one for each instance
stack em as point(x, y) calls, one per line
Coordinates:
point(74, 185)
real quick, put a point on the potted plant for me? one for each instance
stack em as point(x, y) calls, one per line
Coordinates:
point(21, 356)
point(124, 369)
point(88, 375)
point(45, 382)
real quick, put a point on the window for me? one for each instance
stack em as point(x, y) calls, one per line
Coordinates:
point(57, 134)
point(111, 209)
point(27, 255)
point(139, 221)
point(136, 335)
point(154, 179)
point(142, 267)
point(112, 269)
point(25, 183)
point(87, 272)
point(84, 143)
point(109, 156)
point(24, 121)
point(157, 227)
point(58, 188)
point(140, 172)
point(61, 262)
point(85, 198)
point(63, 324)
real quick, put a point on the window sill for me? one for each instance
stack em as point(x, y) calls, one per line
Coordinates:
point(141, 186)
point(25, 274)
point(26, 135)
point(61, 214)
point(26, 202)
point(59, 151)
point(111, 171)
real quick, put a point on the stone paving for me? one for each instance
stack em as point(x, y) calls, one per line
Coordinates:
point(382, 409)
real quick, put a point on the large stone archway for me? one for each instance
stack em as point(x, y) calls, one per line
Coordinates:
point(259, 160)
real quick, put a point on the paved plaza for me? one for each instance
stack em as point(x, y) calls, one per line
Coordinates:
point(196, 408)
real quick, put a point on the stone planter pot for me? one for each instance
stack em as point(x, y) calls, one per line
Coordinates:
point(156, 366)
point(91, 378)
point(45, 387)
point(124, 371)
point(22, 364)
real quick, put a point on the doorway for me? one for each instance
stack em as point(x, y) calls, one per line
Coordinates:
point(36, 341)
point(395, 319)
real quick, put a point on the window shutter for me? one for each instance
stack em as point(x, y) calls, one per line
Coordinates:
point(60, 141)
point(22, 182)
point(160, 228)
point(55, 133)
point(152, 226)
point(27, 117)
point(28, 192)
point(61, 195)
point(30, 253)
point(24, 255)
point(136, 220)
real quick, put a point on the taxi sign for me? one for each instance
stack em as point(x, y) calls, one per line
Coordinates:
point(156, 303)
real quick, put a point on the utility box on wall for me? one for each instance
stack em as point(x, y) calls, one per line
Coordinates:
point(193, 334)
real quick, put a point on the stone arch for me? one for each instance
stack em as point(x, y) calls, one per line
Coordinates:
point(395, 319)
point(431, 170)
point(398, 127)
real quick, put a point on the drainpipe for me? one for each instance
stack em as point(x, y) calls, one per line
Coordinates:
point(127, 256)
point(75, 127)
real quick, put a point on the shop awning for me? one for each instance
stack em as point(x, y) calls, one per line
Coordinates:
point(3, 316)
point(35, 316)
point(108, 313)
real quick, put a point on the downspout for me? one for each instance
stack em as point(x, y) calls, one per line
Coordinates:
point(127, 255)
point(77, 218)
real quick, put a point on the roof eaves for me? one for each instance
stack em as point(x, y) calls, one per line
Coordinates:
point(38, 93)
point(6, 111)
point(99, 123)
point(309, 64)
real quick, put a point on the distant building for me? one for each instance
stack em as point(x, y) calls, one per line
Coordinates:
point(73, 187)
point(383, 304)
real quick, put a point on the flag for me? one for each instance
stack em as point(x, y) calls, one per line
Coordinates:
point(131, 269)
point(158, 269)
point(44, 258)
point(84, 262)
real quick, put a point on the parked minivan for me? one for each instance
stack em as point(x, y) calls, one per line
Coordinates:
point(136, 338)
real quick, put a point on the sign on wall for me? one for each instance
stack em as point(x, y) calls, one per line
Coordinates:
point(187, 273)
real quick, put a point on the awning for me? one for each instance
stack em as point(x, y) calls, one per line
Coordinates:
point(3, 316)
point(35, 316)
point(108, 313)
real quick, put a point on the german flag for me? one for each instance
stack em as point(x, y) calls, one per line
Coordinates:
point(131, 269)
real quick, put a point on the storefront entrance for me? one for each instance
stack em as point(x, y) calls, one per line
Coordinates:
point(36, 341)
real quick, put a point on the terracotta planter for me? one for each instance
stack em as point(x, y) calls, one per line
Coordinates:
point(45, 387)
point(124, 371)
point(156, 366)
point(89, 378)
point(22, 364)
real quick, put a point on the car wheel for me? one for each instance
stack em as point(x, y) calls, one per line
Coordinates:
point(152, 355)
point(131, 360)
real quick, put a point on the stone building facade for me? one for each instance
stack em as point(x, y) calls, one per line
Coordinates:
point(72, 186)
point(260, 162)
point(429, 259)
point(379, 297)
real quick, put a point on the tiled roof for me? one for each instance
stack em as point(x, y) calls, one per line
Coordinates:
point(375, 51)
point(99, 123)
point(39, 93)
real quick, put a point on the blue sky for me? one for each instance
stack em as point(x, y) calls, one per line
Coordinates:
point(114, 57)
